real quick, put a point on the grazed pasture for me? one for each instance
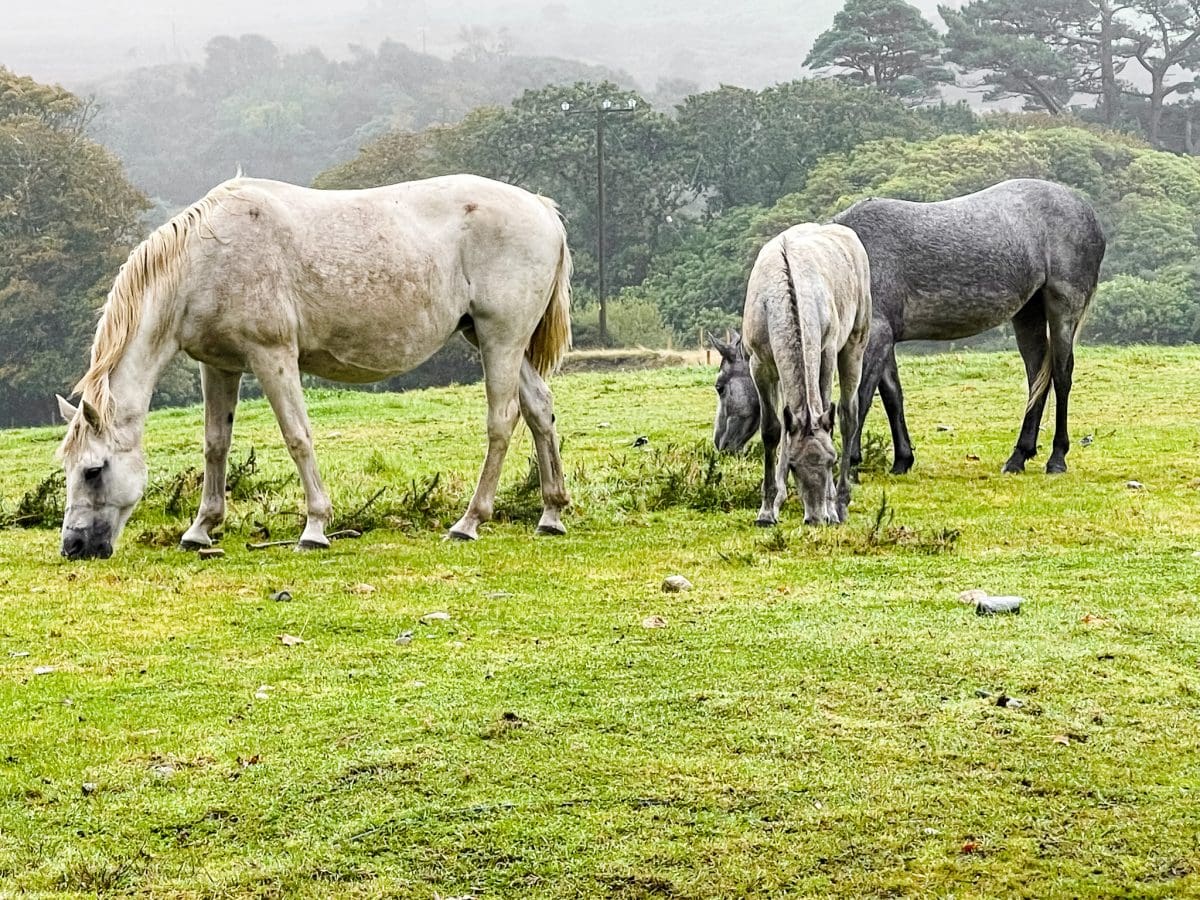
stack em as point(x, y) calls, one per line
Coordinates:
point(809, 721)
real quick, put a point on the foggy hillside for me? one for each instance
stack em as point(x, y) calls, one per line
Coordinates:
point(704, 41)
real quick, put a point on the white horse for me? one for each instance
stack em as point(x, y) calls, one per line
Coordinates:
point(275, 279)
point(808, 308)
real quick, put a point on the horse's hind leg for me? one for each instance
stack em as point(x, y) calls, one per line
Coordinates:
point(1029, 325)
point(279, 374)
point(501, 377)
point(220, 399)
point(1062, 371)
point(537, 408)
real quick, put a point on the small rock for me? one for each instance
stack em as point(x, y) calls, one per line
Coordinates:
point(290, 640)
point(980, 692)
point(973, 596)
point(673, 584)
point(1008, 702)
point(405, 638)
point(992, 606)
point(363, 588)
point(89, 788)
point(1061, 739)
point(1134, 485)
point(165, 771)
point(654, 622)
point(1086, 439)
point(261, 693)
point(641, 441)
point(973, 457)
point(210, 552)
point(43, 670)
point(436, 617)
point(945, 428)
point(282, 597)
point(604, 425)
point(21, 654)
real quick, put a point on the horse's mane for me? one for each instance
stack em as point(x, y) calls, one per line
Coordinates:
point(150, 274)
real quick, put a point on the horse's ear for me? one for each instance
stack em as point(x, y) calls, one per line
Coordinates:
point(791, 424)
point(718, 345)
point(826, 420)
point(91, 415)
point(65, 409)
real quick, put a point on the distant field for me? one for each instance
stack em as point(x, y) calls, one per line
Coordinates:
point(810, 722)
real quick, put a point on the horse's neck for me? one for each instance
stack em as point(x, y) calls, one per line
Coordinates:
point(133, 380)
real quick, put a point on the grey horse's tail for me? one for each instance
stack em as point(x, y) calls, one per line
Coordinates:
point(1041, 381)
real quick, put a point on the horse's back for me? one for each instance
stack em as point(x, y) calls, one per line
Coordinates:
point(957, 267)
point(368, 283)
point(821, 270)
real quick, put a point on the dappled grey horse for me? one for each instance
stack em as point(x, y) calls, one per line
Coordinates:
point(808, 309)
point(1025, 250)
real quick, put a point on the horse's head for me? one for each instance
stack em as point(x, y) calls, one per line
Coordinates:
point(810, 454)
point(106, 476)
point(737, 397)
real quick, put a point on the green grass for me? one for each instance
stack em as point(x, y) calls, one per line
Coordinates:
point(806, 724)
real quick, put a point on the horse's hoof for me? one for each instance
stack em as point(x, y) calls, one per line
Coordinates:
point(193, 546)
point(1056, 467)
point(555, 530)
point(305, 546)
point(901, 466)
point(461, 536)
point(765, 523)
point(1014, 466)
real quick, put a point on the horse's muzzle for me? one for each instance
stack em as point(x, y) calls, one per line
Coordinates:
point(80, 544)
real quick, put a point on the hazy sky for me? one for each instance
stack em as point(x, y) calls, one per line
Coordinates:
point(707, 41)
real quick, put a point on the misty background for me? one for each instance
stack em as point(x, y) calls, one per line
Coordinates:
point(706, 42)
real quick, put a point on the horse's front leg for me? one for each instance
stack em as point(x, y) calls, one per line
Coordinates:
point(279, 375)
point(874, 362)
point(220, 399)
point(774, 485)
point(892, 395)
point(537, 407)
point(501, 376)
point(850, 365)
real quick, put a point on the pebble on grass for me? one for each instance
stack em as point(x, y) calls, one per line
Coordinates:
point(674, 584)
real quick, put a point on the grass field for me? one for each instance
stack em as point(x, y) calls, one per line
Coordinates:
point(810, 722)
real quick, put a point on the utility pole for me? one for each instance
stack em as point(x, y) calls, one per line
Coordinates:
point(604, 109)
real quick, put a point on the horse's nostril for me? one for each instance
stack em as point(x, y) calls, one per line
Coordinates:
point(104, 551)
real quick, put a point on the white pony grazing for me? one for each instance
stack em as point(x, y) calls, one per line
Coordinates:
point(808, 307)
point(275, 279)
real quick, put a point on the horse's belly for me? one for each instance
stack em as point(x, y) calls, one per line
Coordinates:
point(945, 318)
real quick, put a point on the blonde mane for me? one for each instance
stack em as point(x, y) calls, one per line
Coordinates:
point(151, 274)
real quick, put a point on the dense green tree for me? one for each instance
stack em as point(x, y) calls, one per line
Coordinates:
point(886, 44)
point(751, 148)
point(1051, 51)
point(68, 217)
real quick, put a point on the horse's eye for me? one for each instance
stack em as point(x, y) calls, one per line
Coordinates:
point(92, 473)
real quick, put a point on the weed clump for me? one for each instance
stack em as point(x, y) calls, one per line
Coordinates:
point(40, 507)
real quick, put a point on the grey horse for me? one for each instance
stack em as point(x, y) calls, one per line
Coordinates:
point(1025, 250)
point(808, 310)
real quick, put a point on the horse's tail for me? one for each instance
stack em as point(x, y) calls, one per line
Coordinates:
point(1041, 381)
point(552, 337)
